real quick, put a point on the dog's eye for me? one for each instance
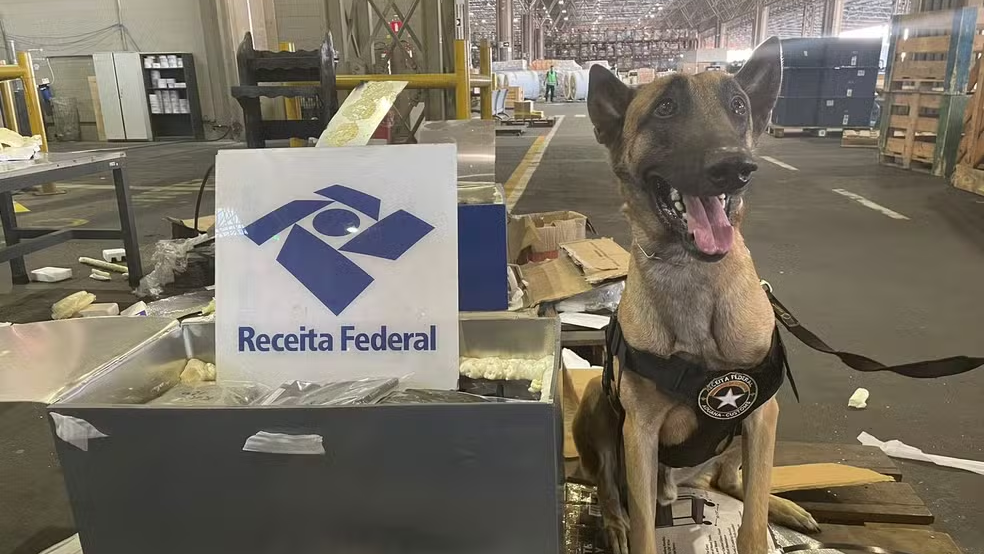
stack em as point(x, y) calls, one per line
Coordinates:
point(666, 108)
point(738, 105)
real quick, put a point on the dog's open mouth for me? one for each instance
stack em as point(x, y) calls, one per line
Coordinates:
point(705, 221)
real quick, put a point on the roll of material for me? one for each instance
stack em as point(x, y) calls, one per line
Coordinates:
point(577, 85)
point(528, 80)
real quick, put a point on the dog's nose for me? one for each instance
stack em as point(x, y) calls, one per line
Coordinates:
point(729, 171)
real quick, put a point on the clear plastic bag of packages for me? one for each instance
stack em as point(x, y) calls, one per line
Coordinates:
point(429, 396)
point(212, 394)
point(342, 393)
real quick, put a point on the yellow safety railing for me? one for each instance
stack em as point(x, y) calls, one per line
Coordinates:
point(461, 81)
point(24, 70)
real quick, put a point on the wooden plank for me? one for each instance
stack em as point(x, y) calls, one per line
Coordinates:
point(897, 493)
point(894, 146)
point(923, 151)
point(877, 502)
point(910, 69)
point(854, 514)
point(790, 453)
point(924, 44)
point(97, 108)
point(917, 541)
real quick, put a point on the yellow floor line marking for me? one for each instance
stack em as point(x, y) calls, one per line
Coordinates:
point(516, 185)
point(20, 208)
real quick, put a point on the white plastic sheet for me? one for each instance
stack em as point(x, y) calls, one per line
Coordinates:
point(528, 80)
point(898, 449)
point(577, 85)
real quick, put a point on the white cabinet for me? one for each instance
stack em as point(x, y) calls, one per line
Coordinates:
point(123, 95)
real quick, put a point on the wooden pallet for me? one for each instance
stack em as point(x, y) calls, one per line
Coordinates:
point(863, 138)
point(910, 129)
point(931, 63)
point(886, 515)
point(924, 45)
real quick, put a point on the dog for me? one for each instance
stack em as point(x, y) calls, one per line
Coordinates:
point(681, 148)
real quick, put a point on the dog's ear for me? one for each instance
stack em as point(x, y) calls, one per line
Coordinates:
point(608, 99)
point(760, 78)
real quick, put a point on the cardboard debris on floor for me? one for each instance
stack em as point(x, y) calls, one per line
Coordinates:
point(600, 260)
point(185, 228)
point(578, 267)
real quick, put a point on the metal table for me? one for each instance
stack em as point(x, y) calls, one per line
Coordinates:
point(51, 167)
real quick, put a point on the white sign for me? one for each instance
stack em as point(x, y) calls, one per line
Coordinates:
point(700, 522)
point(334, 264)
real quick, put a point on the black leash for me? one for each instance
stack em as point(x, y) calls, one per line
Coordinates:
point(928, 369)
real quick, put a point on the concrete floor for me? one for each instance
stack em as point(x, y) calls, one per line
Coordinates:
point(897, 290)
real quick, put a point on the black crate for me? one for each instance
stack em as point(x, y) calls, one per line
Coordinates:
point(798, 82)
point(845, 112)
point(795, 112)
point(855, 52)
point(856, 82)
point(804, 52)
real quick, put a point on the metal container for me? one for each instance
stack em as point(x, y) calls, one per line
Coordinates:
point(38, 363)
point(422, 478)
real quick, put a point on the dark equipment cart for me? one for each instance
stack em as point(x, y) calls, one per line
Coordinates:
point(49, 168)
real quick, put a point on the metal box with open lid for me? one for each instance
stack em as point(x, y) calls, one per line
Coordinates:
point(454, 478)
point(38, 363)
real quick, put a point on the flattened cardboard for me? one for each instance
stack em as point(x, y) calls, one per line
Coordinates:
point(600, 259)
point(185, 228)
point(822, 476)
point(552, 280)
point(542, 233)
point(575, 381)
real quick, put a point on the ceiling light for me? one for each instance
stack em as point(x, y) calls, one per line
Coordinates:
point(563, 11)
point(483, 21)
point(660, 8)
point(566, 17)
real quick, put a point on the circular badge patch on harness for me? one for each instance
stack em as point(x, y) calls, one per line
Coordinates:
point(728, 396)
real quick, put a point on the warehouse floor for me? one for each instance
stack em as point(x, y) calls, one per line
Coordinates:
point(858, 275)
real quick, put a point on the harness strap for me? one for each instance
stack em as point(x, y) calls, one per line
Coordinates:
point(928, 369)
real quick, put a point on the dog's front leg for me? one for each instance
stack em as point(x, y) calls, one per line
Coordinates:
point(641, 472)
point(758, 449)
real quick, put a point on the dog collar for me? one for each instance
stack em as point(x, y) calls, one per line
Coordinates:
point(720, 399)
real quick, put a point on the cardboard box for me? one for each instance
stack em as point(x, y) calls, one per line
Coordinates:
point(536, 237)
point(523, 108)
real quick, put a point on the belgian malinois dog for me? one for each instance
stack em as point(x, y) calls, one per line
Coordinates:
point(681, 148)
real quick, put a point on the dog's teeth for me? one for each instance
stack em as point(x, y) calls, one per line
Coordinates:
point(675, 195)
point(679, 206)
point(723, 196)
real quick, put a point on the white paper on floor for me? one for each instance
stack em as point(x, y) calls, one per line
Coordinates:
point(573, 361)
point(899, 449)
point(703, 522)
point(591, 321)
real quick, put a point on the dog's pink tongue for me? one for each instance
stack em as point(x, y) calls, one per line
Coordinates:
point(706, 219)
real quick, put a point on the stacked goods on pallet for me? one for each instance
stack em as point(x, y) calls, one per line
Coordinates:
point(929, 68)
point(827, 83)
point(968, 174)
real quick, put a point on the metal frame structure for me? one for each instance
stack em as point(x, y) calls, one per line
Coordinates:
point(21, 241)
point(724, 23)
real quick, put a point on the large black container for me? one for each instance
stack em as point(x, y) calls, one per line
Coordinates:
point(795, 112)
point(845, 112)
point(849, 81)
point(856, 52)
point(799, 82)
point(804, 52)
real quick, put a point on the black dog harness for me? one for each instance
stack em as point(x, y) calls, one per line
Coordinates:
point(721, 399)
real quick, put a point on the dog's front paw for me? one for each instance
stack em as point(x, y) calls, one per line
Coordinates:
point(617, 531)
point(753, 541)
point(789, 514)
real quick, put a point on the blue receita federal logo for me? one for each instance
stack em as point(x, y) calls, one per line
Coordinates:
point(330, 275)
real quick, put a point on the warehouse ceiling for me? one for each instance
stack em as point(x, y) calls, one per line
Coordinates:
point(788, 18)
